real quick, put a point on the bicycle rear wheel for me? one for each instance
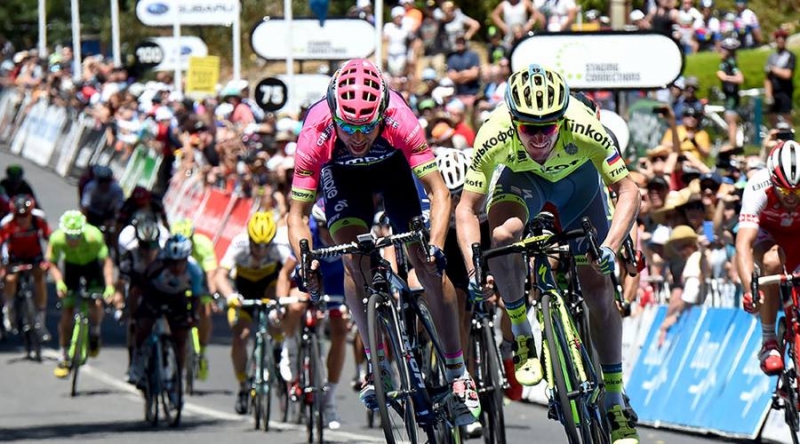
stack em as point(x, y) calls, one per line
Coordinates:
point(316, 380)
point(33, 344)
point(492, 397)
point(171, 382)
point(77, 352)
point(789, 383)
point(257, 383)
point(152, 384)
point(398, 418)
point(191, 362)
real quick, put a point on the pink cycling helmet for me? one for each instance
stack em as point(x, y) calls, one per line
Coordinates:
point(357, 93)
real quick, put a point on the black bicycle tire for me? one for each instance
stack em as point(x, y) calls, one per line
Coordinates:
point(374, 320)
point(305, 381)
point(790, 403)
point(319, 385)
point(497, 429)
point(440, 430)
point(599, 427)
point(559, 377)
point(190, 367)
point(266, 390)
point(77, 357)
point(152, 386)
point(256, 390)
point(33, 342)
point(169, 350)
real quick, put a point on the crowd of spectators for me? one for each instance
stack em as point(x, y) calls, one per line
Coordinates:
point(690, 189)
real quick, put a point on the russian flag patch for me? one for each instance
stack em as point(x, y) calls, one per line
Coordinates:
point(614, 158)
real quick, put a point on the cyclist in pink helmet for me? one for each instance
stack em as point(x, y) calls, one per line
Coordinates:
point(362, 141)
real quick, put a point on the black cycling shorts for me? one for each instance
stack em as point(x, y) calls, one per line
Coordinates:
point(177, 311)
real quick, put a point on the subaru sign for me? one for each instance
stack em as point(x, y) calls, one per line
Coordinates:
point(190, 12)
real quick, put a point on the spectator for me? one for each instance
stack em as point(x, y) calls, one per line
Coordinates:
point(463, 68)
point(637, 21)
point(396, 38)
point(432, 46)
point(363, 11)
point(707, 28)
point(412, 17)
point(688, 97)
point(687, 16)
point(747, 25)
point(508, 13)
point(692, 140)
point(559, 15)
point(779, 81)
point(456, 111)
point(456, 24)
point(233, 94)
point(664, 18)
point(443, 135)
point(496, 49)
point(731, 78)
point(495, 86)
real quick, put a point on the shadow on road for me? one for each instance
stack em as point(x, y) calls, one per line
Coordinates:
point(200, 393)
point(94, 430)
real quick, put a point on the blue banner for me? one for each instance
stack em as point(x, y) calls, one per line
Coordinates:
point(705, 377)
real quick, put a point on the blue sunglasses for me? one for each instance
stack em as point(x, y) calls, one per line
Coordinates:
point(352, 129)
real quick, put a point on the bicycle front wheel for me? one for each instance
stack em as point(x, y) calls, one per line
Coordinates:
point(317, 380)
point(33, 344)
point(77, 353)
point(171, 382)
point(789, 383)
point(398, 418)
point(492, 397)
point(192, 361)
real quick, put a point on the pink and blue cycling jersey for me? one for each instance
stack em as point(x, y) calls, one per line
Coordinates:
point(317, 146)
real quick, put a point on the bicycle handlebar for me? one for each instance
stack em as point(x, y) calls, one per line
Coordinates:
point(594, 249)
point(774, 279)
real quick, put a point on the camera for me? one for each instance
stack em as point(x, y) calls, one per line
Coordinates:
point(785, 135)
point(660, 110)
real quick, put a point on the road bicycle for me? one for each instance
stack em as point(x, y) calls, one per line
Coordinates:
point(78, 350)
point(193, 355)
point(574, 385)
point(787, 389)
point(487, 371)
point(262, 369)
point(162, 384)
point(26, 322)
point(420, 401)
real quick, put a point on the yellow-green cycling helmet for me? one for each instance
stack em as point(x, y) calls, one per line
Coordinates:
point(262, 228)
point(184, 227)
point(536, 95)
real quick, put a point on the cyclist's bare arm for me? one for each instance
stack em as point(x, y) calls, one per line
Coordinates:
point(108, 271)
point(284, 284)
point(469, 225)
point(625, 214)
point(440, 207)
point(745, 239)
point(223, 283)
point(297, 222)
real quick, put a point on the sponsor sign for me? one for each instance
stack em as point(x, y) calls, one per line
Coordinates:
point(234, 224)
point(176, 54)
point(148, 54)
point(307, 88)
point(339, 39)
point(203, 75)
point(191, 12)
point(604, 60)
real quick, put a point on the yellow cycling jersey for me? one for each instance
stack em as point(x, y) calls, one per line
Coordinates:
point(581, 139)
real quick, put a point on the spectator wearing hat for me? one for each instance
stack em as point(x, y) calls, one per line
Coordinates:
point(457, 113)
point(694, 143)
point(396, 38)
point(636, 21)
point(687, 16)
point(688, 96)
point(443, 135)
point(732, 78)
point(496, 49)
point(362, 10)
point(779, 80)
point(707, 28)
point(748, 28)
point(233, 93)
point(688, 273)
point(659, 163)
point(463, 68)
point(509, 13)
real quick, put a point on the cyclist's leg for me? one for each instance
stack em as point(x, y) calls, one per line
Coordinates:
point(515, 198)
point(94, 277)
point(39, 291)
point(241, 323)
point(770, 258)
point(9, 290)
point(732, 119)
point(178, 318)
point(290, 323)
point(337, 323)
point(457, 273)
point(64, 335)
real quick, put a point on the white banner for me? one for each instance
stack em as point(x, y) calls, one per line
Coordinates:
point(306, 88)
point(192, 12)
point(618, 60)
point(190, 46)
point(339, 39)
point(45, 132)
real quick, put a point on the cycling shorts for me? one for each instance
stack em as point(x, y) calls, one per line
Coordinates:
point(250, 290)
point(579, 194)
point(349, 193)
point(92, 272)
point(178, 308)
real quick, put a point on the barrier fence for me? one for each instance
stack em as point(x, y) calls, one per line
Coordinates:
point(705, 378)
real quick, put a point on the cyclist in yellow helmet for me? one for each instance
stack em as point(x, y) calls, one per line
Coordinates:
point(544, 148)
point(202, 252)
point(262, 262)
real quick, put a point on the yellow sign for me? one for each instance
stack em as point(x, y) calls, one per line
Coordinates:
point(203, 75)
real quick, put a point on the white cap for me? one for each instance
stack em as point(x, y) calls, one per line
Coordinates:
point(398, 11)
point(363, 3)
point(636, 15)
point(660, 235)
point(290, 148)
point(164, 113)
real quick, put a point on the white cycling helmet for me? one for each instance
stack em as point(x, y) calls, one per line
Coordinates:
point(453, 165)
point(318, 212)
point(783, 164)
point(177, 248)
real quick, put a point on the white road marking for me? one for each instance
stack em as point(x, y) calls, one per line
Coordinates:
point(133, 394)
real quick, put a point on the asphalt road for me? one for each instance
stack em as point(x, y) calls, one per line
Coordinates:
point(36, 407)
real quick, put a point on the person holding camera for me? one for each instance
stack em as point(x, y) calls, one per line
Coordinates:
point(692, 143)
point(732, 78)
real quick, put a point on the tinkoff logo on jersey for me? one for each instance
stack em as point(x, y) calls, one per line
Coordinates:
point(589, 130)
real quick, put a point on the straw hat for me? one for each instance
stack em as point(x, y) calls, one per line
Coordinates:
point(674, 200)
point(680, 234)
point(660, 150)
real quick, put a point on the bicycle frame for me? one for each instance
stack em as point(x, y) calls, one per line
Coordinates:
point(26, 311)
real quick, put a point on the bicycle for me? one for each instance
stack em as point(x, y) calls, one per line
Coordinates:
point(420, 401)
point(787, 388)
point(193, 361)
point(26, 322)
point(263, 373)
point(79, 341)
point(574, 385)
point(162, 382)
point(488, 372)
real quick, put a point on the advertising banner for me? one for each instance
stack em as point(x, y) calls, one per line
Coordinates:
point(45, 133)
point(234, 225)
point(192, 12)
point(186, 46)
point(339, 39)
point(203, 75)
point(604, 60)
point(211, 213)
